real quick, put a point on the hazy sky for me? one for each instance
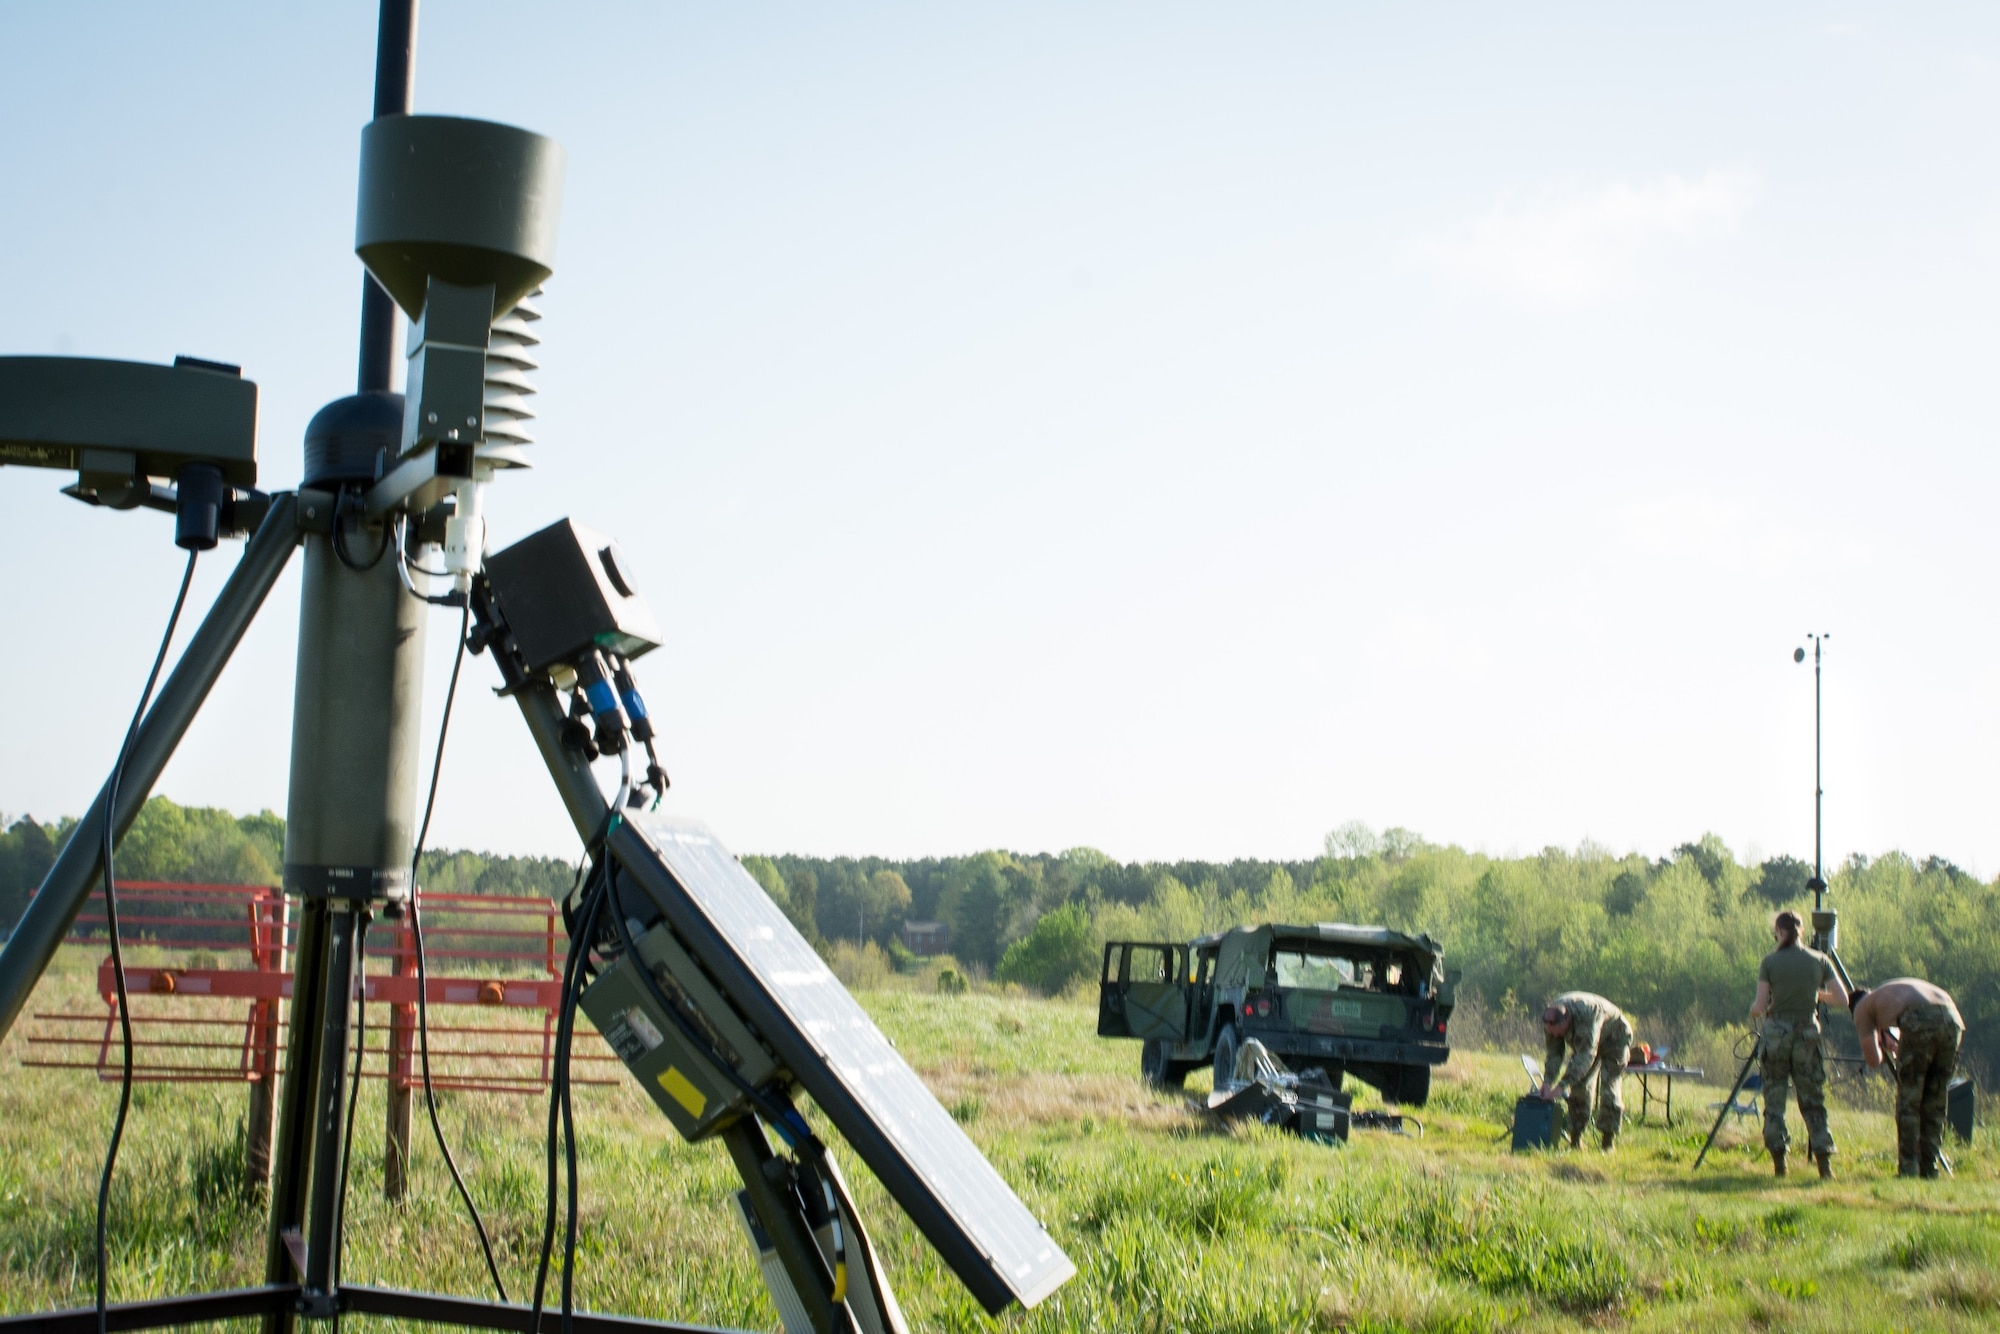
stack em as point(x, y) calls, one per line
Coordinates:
point(1176, 429)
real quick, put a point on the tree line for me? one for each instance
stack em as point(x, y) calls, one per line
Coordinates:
point(1675, 939)
point(204, 845)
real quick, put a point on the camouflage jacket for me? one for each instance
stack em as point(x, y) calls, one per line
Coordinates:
point(1589, 1016)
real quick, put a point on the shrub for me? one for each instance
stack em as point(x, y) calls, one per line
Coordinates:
point(1056, 953)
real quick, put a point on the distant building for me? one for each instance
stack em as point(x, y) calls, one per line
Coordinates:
point(927, 938)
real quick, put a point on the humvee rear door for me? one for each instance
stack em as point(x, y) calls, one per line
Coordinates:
point(1141, 992)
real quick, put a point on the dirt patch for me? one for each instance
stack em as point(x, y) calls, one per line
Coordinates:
point(1575, 1172)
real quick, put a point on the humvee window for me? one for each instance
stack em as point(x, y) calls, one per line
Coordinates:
point(1317, 972)
point(1149, 964)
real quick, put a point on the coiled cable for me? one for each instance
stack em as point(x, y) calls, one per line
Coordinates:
point(341, 503)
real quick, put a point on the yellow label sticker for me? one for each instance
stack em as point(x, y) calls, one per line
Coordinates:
point(682, 1091)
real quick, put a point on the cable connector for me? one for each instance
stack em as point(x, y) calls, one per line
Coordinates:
point(628, 694)
point(642, 730)
point(603, 699)
point(576, 728)
point(465, 532)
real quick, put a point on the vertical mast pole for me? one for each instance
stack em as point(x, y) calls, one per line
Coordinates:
point(395, 84)
point(1819, 793)
point(351, 811)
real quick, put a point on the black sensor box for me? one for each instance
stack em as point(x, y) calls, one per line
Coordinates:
point(567, 590)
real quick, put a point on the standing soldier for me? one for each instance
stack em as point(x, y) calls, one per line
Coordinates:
point(1791, 982)
point(1926, 1054)
point(1597, 1036)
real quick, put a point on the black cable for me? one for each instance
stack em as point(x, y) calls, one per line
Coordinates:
point(561, 1116)
point(420, 569)
point(551, 1137)
point(111, 926)
point(423, 977)
point(340, 505)
point(403, 568)
point(549, 1141)
point(569, 1119)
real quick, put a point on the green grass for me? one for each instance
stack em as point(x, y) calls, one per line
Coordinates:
point(1174, 1224)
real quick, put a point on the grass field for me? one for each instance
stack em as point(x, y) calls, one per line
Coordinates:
point(1174, 1223)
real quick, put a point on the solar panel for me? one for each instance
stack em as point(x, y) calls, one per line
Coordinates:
point(843, 1061)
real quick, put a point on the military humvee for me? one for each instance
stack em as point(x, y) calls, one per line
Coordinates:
point(1353, 1000)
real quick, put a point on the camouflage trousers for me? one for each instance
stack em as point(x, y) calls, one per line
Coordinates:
point(1792, 1056)
point(1607, 1073)
point(1926, 1056)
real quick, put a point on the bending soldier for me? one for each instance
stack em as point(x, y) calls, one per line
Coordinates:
point(1791, 982)
point(1925, 1045)
point(1597, 1037)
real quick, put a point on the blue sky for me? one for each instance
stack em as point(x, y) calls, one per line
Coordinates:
point(1176, 429)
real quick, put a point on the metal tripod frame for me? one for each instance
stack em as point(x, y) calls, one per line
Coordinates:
point(348, 838)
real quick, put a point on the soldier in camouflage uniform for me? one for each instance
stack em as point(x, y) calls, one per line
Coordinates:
point(1925, 1042)
point(1597, 1037)
point(1791, 982)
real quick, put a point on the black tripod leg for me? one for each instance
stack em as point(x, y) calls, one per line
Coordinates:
point(295, 1110)
point(1728, 1105)
point(329, 1110)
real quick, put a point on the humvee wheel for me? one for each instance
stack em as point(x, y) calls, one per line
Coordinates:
point(1157, 1068)
point(1411, 1085)
point(1226, 1043)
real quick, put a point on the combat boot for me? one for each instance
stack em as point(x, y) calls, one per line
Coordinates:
point(1777, 1162)
point(1610, 1138)
point(1907, 1167)
point(1927, 1166)
point(1825, 1162)
point(1576, 1139)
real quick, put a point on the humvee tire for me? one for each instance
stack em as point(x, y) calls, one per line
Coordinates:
point(1226, 1044)
point(1409, 1086)
point(1158, 1069)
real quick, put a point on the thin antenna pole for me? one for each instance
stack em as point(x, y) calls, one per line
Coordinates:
point(1819, 792)
point(1818, 882)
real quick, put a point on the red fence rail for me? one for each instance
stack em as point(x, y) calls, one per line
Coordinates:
point(497, 954)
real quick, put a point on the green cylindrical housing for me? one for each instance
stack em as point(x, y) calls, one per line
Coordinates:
point(467, 201)
point(356, 719)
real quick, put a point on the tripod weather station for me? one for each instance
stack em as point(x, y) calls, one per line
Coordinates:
point(721, 1011)
point(1825, 937)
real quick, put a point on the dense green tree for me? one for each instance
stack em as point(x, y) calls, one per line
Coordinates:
point(1781, 882)
point(802, 898)
point(766, 873)
point(27, 850)
point(1058, 950)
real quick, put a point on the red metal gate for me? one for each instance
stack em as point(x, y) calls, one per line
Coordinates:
point(496, 953)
